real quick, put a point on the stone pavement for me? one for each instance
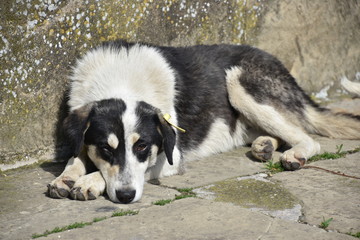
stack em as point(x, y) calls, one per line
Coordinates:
point(233, 201)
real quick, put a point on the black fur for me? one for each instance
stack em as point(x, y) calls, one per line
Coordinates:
point(105, 118)
point(150, 120)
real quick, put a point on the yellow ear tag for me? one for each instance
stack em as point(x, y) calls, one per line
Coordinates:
point(167, 117)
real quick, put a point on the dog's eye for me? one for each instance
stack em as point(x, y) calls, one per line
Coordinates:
point(140, 147)
point(106, 149)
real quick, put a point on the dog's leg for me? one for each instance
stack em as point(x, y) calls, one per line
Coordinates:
point(275, 122)
point(75, 168)
point(88, 187)
point(264, 146)
point(163, 169)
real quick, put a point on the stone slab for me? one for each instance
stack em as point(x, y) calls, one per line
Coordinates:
point(325, 195)
point(197, 219)
point(215, 168)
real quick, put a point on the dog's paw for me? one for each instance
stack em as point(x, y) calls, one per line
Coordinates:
point(88, 187)
point(292, 160)
point(262, 148)
point(60, 187)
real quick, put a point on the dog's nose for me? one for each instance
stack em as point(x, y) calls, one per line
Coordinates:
point(125, 196)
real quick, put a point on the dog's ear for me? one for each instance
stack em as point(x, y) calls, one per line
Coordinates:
point(169, 138)
point(75, 125)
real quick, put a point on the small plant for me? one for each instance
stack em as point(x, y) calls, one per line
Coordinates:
point(83, 224)
point(357, 235)
point(338, 154)
point(339, 148)
point(62, 229)
point(274, 167)
point(99, 219)
point(325, 223)
point(162, 202)
point(124, 213)
point(185, 193)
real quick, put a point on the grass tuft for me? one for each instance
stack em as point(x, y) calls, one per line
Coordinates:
point(325, 223)
point(185, 193)
point(99, 219)
point(357, 235)
point(84, 224)
point(124, 213)
point(335, 155)
point(62, 229)
point(162, 202)
point(274, 167)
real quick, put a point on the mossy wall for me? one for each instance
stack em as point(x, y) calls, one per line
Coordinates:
point(40, 40)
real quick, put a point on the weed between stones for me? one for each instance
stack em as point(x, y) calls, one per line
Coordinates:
point(277, 167)
point(84, 224)
point(184, 193)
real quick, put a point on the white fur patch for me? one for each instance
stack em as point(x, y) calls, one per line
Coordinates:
point(219, 139)
point(122, 73)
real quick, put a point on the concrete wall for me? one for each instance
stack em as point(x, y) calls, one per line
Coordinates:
point(40, 39)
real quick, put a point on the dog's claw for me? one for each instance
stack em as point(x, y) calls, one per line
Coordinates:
point(76, 194)
point(91, 196)
point(55, 192)
point(292, 165)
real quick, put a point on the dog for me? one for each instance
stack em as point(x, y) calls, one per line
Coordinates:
point(138, 111)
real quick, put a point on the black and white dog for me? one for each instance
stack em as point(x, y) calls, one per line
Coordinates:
point(224, 96)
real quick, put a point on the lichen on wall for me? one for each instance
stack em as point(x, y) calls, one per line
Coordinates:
point(40, 40)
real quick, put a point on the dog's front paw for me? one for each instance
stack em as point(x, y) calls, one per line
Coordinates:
point(88, 187)
point(60, 187)
point(291, 160)
point(262, 148)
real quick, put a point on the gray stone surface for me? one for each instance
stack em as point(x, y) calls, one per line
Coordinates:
point(198, 219)
point(26, 210)
point(326, 195)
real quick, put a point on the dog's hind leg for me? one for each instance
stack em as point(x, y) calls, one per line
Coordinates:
point(276, 123)
point(61, 186)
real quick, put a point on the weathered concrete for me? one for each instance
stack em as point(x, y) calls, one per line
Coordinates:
point(327, 195)
point(26, 210)
point(198, 219)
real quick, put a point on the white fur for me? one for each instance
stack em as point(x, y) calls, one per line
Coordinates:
point(351, 87)
point(219, 139)
point(120, 73)
point(132, 176)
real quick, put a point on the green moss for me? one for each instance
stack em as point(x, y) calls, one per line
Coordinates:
point(251, 193)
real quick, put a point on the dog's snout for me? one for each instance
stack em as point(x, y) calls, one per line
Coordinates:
point(125, 196)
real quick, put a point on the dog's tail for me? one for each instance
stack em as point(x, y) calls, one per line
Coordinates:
point(334, 125)
point(351, 87)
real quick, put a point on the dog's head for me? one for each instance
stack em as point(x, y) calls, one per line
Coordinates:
point(123, 141)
